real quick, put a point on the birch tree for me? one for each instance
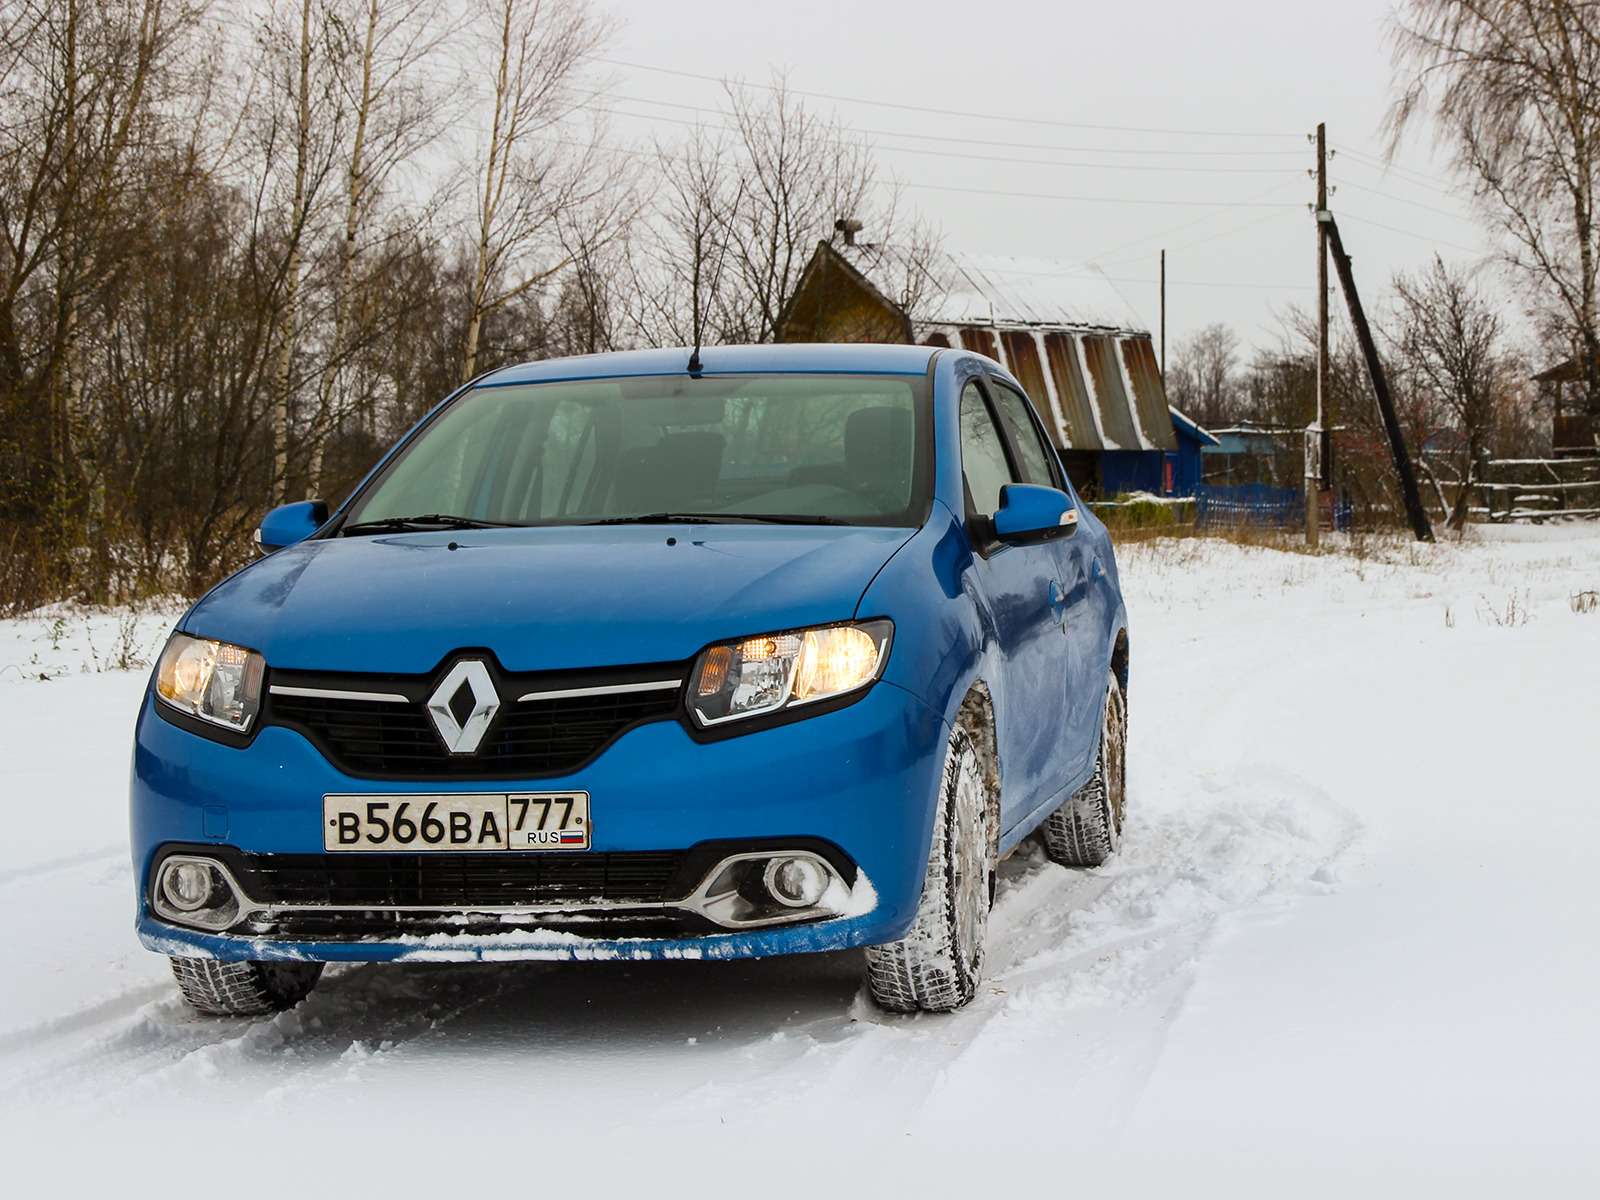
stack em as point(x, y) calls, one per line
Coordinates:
point(1512, 86)
point(86, 92)
point(301, 126)
point(531, 169)
point(380, 52)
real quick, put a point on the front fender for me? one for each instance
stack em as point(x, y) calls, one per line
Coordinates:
point(943, 640)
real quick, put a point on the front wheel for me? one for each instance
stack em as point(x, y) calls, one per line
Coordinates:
point(1087, 829)
point(936, 967)
point(243, 989)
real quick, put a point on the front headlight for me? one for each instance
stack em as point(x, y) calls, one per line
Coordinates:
point(764, 674)
point(211, 680)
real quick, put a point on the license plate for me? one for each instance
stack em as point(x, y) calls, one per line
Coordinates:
point(493, 821)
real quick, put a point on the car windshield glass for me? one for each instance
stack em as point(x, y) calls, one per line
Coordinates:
point(836, 449)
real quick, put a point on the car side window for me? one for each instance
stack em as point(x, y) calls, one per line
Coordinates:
point(983, 454)
point(1033, 456)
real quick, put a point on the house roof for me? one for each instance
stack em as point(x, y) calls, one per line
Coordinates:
point(1068, 337)
point(1562, 372)
point(957, 288)
point(1188, 425)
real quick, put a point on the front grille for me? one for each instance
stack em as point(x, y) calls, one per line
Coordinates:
point(527, 739)
point(491, 878)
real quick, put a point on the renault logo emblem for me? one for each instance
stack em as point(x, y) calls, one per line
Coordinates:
point(462, 706)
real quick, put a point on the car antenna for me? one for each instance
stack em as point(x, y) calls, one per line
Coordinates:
point(695, 365)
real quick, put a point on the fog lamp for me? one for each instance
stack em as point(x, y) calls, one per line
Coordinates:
point(188, 885)
point(795, 882)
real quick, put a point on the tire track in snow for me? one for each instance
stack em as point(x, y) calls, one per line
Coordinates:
point(66, 863)
point(1092, 969)
point(164, 1043)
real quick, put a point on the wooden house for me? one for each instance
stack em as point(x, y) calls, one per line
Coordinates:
point(1064, 332)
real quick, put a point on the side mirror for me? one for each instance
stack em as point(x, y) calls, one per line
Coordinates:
point(1029, 513)
point(291, 523)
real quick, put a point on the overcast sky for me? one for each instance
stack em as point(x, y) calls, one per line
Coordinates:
point(1255, 77)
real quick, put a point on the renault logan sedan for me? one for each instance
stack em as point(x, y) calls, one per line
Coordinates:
point(614, 658)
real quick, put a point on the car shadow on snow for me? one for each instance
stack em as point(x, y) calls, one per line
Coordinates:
point(587, 1007)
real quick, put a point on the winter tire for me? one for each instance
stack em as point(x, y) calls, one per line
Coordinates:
point(1087, 829)
point(243, 989)
point(936, 967)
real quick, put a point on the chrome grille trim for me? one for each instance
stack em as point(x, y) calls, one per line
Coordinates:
point(615, 689)
point(282, 689)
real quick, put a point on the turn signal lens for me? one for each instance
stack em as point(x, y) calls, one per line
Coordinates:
point(775, 671)
point(214, 681)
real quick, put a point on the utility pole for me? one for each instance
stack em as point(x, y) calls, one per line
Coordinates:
point(1415, 513)
point(1316, 460)
point(1163, 316)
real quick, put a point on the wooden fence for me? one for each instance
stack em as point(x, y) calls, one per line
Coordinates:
point(1535, 489)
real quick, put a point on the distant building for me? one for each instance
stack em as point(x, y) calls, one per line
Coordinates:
point(1574, 433)
point(1064, 332)
point(1251, 452)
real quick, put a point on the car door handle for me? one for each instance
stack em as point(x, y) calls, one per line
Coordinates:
point(1058, 603)
point(1097, 570)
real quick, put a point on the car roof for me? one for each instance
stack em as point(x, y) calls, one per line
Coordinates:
point(797, 357)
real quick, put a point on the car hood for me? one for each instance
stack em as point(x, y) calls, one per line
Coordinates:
point(540, 599)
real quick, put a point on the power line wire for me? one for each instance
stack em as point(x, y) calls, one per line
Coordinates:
point(991, 269)
point(1425, 237)
point(1433, 208)
point(990, 142)
point(945, 112)
point(947, 187)
point(1158, 235)
point(991, 158)
point(1422, 179)
point(991, 191)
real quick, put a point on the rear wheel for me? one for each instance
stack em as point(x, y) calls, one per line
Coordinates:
point(1087, 829)
point(243, 989)
point(936, 967)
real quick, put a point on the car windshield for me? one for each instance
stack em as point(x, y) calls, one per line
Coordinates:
point(822, 449)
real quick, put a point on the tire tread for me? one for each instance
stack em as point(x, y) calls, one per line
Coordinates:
point(925, 970)
point(243, 989)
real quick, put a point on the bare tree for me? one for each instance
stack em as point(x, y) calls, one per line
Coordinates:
point(379, 51)
point(1448, 348)
point(1512, 86)
point(803, 172)
point(302, 119)
point(85, 93)
point(1202, 380)
point(740, 212)
point(529, 174)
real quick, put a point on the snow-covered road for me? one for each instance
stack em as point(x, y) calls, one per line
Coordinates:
point(1352, 935)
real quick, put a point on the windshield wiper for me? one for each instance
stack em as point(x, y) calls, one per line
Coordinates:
point(715, 518)
point(424, 522)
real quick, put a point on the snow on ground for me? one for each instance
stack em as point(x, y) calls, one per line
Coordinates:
point(1350, 942)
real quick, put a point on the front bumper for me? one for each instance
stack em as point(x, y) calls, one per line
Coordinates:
point(862, 779)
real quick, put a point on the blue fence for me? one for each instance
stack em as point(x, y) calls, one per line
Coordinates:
point(1259, 504)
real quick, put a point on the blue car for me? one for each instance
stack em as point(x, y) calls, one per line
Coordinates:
point(763, 650)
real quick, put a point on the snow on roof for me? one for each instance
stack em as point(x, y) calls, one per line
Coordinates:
point(1185, 421)
point(957, 288)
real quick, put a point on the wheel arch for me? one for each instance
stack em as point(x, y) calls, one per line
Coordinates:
point(1119, 660)
point(976, 713)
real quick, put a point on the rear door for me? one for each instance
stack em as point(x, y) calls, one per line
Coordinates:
point(1082, 680)
point(1021, 591)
